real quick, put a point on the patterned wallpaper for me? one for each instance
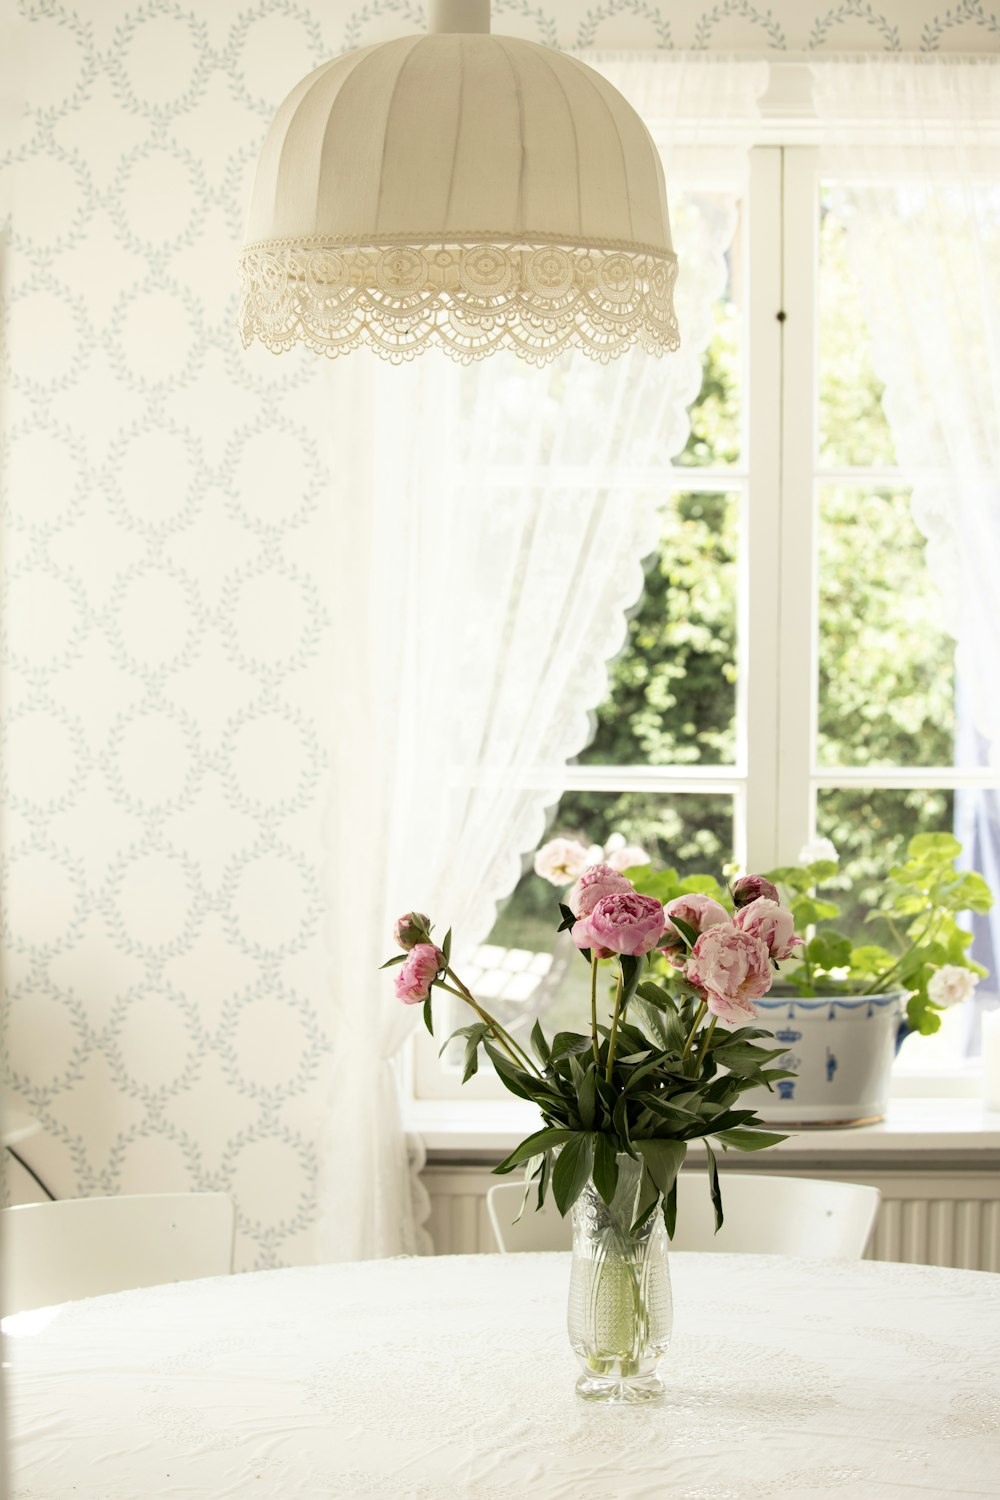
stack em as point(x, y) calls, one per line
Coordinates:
point(167, 547)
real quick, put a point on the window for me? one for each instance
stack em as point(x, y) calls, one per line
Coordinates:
point(786, 673)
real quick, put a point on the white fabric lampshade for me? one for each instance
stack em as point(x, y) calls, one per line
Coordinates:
point(463, 189)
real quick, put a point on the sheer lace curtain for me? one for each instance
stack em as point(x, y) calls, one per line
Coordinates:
point(914, 147)
point(492, 524)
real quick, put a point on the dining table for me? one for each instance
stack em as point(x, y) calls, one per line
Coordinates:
point(451, 1378)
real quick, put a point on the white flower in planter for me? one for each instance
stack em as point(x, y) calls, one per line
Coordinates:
point(951, 985)
point(816, 850)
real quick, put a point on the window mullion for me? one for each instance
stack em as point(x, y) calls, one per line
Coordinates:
point(759, 616)
point(797, 648)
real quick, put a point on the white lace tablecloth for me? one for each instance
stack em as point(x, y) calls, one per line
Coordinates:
point(451, 1379)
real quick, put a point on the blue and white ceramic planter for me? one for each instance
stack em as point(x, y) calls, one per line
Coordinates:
point(842, 1052)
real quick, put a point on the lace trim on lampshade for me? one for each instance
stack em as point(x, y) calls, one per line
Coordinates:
point(470, 299)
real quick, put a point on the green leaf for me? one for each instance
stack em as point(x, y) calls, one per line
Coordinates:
point(532, 1166)
point(543, 1178)
point(619, 1119)
point(428, 1016)
point(829, 949)
point(659, 883)
point(471, 1064)
point(870, 959)
point(795, 877)
point(666, 1110)
point(540, 1045)
point(605, 1166)
point(565, 1042)
point(936, 846)
point(670, 1211)
point(400, 958)
point(572, 1170)
point(663, 1160)
point(807, 911)
point(512, 1078)
point(534, 1145)
point(568, 919)
point(446, 946)
point(631, 974)
point(702, 885)
point(749, 1140)
point(646, 1198)
point(713, 1186)
point(970, 893)
point(687, 932)
point(586, 1095)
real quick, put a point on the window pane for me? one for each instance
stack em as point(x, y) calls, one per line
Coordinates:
point(717, 413)
point(886, 663)
point(870, 829)
point(525, 970)
point(852, 426)
point(673, 689)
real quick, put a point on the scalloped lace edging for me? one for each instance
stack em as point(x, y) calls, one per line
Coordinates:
point(469, 300)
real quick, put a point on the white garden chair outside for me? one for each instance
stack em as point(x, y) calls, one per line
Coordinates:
point(799, 1216)
point(84, 1247)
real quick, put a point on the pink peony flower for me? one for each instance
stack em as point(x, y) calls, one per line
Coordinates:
point(594, 884)
point(561, 861)
point(416, 974)
point(732, 968)
point(410, 929)
point(774, 924)
point(749, 887)
point(699, 912)
point(623, 922)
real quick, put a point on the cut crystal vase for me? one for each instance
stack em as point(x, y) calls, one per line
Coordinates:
point(620, 1307)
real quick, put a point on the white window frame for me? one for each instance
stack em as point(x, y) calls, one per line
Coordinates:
point(776, 776)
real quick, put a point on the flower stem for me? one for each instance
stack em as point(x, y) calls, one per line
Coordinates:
point(875, 987)
point(503, 1037)
point(614, 1029)
point(699, 1016)
point(593, 1007)
point(704, 1044)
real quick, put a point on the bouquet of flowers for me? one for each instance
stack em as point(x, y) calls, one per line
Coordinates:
point(663, 1061)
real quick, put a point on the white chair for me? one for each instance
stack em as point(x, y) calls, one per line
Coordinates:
point(763, 1216)
point(83, 1247)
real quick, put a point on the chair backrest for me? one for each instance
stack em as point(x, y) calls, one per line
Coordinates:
point(764, 1216)
point(83, 1247)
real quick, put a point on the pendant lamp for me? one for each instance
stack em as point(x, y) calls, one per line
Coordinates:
point(460, 189)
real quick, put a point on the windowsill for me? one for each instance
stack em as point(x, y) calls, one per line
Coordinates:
point(454, 1130)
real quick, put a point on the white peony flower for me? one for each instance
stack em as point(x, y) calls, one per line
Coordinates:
point(816, 850)
point(951, 985)
point(625, 856)
point(561, 861)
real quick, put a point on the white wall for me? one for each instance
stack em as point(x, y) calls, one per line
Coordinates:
point(168, 549)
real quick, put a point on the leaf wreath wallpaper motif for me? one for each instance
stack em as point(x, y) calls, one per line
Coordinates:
point(167, 550)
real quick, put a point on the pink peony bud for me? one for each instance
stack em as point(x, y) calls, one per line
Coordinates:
point(417, 973)
point(772, 923)
point(411, 929)
point(732, 968)
point(623, 923)
point(699, 912)
point(596, 882)
point(749, 887)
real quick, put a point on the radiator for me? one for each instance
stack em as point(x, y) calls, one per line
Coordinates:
point(926, 1218)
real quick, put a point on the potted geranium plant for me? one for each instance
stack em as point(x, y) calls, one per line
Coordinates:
point(842, 1007)
point(654, 1067)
